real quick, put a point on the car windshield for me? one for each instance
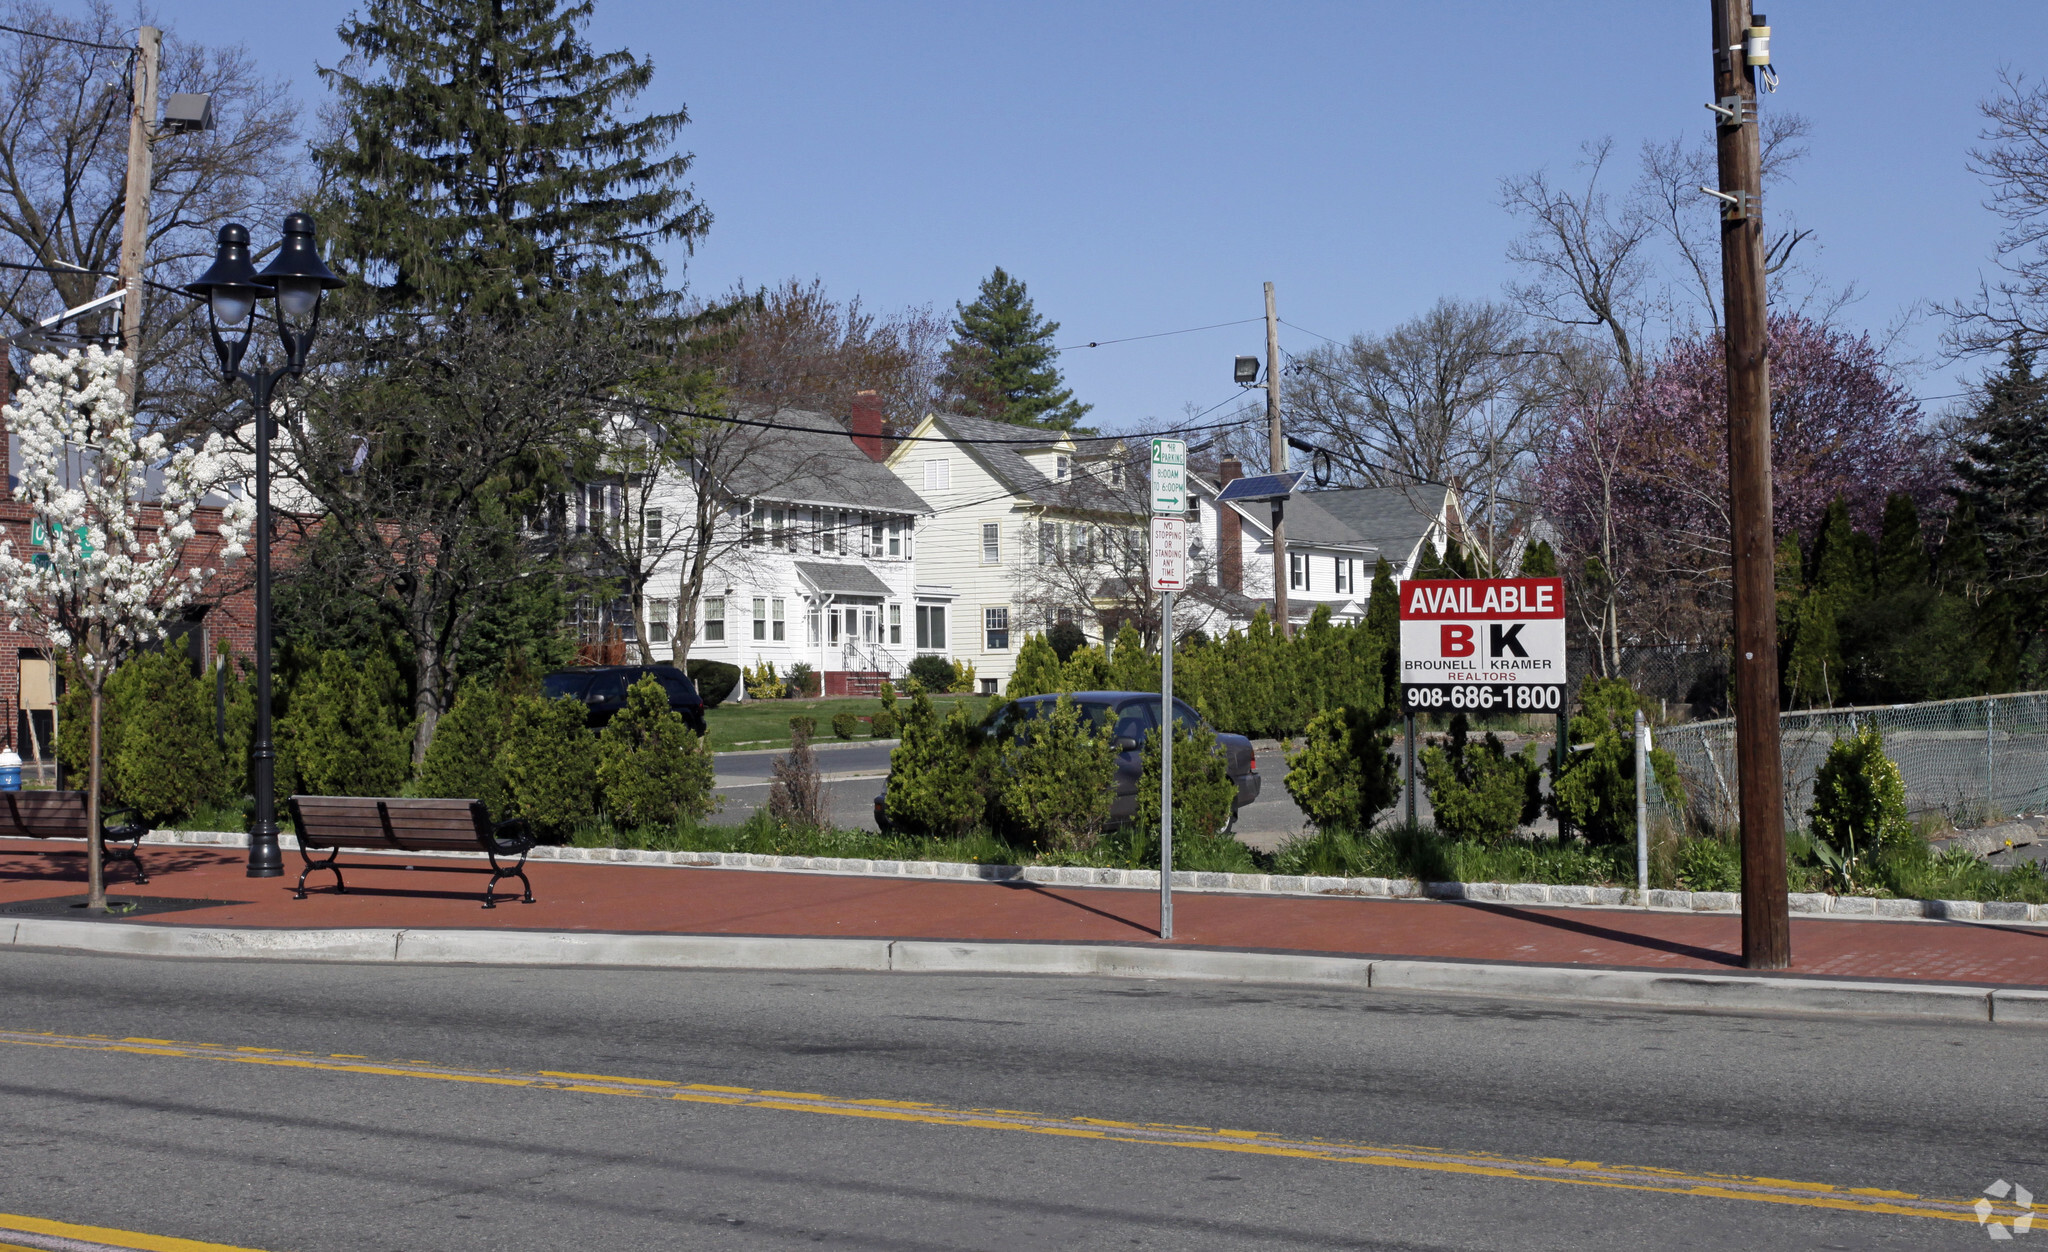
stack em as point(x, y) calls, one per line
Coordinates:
point(1132, 719)
point(567, 683)
point(680, 689)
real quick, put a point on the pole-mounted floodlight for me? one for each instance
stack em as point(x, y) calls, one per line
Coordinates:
point(298, 278)
point(1247, 372)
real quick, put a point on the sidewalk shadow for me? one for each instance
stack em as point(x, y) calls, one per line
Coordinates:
point(1040, 890)
point(1559, 922)
point(68, 865)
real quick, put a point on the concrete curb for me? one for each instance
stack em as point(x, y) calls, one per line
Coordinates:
point(1642, 988)
point(1803, 905)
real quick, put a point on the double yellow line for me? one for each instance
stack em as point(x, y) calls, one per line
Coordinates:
point(1872, 1200)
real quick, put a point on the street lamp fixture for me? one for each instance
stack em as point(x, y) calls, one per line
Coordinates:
point(1246, 372)
point(232, 287)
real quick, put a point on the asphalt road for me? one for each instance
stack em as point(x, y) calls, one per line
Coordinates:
point(386, 1137)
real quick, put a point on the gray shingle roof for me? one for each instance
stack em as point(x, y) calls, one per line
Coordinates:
point(810, 459)
point(850, 580)
point(1392, 519)
point(1011, 468)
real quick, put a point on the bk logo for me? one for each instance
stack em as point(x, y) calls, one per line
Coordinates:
point(1504, 640)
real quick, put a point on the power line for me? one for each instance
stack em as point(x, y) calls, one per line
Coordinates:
point(1306, 331)
point(83, 43)
point(1103, 343)
point(1051, 436)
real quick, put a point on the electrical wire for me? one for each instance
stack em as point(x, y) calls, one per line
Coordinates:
point(1103, 343)
point(1049, 437)
point(1306, 331)
point(59, 268)
point(83, 43)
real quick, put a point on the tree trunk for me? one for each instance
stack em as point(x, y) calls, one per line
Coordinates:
point(95, 864)
point(426, 700)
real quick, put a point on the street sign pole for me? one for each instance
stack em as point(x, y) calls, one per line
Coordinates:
point(1166, 766)
point(1168, 569)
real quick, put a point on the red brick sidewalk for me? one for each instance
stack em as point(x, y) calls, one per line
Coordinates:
point(649, 899)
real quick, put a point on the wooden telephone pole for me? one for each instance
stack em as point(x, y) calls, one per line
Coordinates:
point(1766, 921)
point(1277, 451)
point(135, 212)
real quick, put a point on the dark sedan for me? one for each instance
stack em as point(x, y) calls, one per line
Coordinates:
point(1132, 715)
point(602, 688)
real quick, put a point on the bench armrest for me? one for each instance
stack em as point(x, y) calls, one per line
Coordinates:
point(512, 835)
point(133, 828)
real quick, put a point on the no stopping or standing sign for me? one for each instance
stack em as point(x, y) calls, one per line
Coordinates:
point(1482, 643)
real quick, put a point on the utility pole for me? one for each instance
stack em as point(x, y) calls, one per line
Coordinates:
point(1766, 920)
point(135, 213)
point(1277, 451)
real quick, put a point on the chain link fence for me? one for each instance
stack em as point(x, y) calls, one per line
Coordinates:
point(1965, 761)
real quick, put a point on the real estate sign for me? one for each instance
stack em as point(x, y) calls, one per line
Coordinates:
point(1482, 643)
point(1170, 476)
point(1169, 554)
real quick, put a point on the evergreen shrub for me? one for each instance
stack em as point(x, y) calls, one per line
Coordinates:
point(935, 673)
point(805, 726)
point(1055, 779)
point(1065, 638)
point(1343, 774)
point(1086, 670)
point(341, 733)
point(1480, 793)
point(1203, 794)
point(715, 680)
point(548, 764)
point(462, 760)
point(845, 725)
point(1859, 802)
point(803, 681)
point(935, 772)
point(159, 751)
point(883, 724)
point(652, 769)
point(1037, 672)
point(1596, 793)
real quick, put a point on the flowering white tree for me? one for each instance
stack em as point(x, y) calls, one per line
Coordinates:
point(112, 511)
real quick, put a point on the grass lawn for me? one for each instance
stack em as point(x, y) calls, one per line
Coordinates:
point(754, 724)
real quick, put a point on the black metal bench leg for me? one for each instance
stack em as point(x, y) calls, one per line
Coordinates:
point(499, 873)
point(128, 854)
point(340, 887)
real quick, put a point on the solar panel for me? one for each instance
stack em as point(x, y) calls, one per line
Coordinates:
point(1264, 487)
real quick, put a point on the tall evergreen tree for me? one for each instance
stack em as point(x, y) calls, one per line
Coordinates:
point(2003, 468)
point(483, 159)
point(1901, 552)
point(1383, 622)
point(1001, 361)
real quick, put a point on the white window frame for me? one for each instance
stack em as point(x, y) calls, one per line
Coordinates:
point(1297, 571)
point(775, 626)
point(991, 543)
point(895, 625)
point(995, 619)
point(713, 624)
point(657, 621)
point(938, 473)
point(895, 536)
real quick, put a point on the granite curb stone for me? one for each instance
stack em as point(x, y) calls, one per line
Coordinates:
point(1657, 989)
point(1552, 895)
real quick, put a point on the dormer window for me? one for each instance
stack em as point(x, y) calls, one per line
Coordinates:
point(1116, 475)
point(1061, 467)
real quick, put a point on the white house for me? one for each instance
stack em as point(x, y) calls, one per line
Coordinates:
point(1014, 510)
point(813, 561)
point(1335, 537)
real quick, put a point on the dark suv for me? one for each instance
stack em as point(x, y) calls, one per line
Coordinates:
point(602, 688)
point(1131, 714)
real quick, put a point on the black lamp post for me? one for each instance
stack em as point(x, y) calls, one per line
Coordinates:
point(231, 287)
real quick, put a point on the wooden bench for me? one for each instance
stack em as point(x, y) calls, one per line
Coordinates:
point(61, 815)
point(331, 824)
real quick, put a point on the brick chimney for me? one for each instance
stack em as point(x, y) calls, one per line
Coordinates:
point(1229, 533)
point(867, 424)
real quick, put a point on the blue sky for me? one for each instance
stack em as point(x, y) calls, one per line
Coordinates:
point(1145, 167)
